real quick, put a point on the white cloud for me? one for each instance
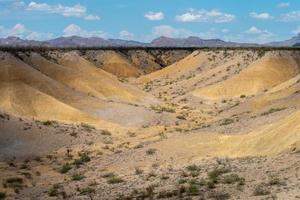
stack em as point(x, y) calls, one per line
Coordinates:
point(125, 35)
point(262, 16)
point(154, 16)
point(39, 36)
point(92, 17)
point(254, 30)
point(225, 30)
point(19, 30)
point(283, 5)
point(205, 16)
point(261, 36)
point(291, 16)
point(296, 31)
point(73, 29)
point(169, 31)
point(66, 11)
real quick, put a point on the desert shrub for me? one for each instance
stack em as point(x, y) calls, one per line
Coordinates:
point(213, 175)
point(77, 177)
point(162, 135)
point(105, 132)
point(275, 180)
point(181, 117)
point(108, 175)
point(272, 110)
point(151, 174)
point(2, 195)
point(138, 171)
point(48, 123)
point(74, 134)
point(65, 168)
point(112, 178)
point(243, 96)
point(87, 127)
point(261, 190)
point(115, 180)
point(131, 134)
point(54, 190)
point(151, 151)
point(160, 109)
point(83, 158)
point(14, 182)
point(193, 189)
point(219, 195)
point(182, 181)
point(167, 194)
point(86, 191)
point(164, 177)
point(231, 178)
point(226, 121)
point(193, 168)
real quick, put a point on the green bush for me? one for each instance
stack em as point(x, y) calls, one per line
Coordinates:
point(65, 168)
point(213, 175)
point(226, 121)
point(86, 191)
point(193, 189)
point(2, 195)
point(151, 151)
point(261, 190)
point(77, 177)
point(231, 178)
point(54, 190)
point(272, 110)
point(83, 158)
point(115, 180)
point(193, 168)
point(15, 182)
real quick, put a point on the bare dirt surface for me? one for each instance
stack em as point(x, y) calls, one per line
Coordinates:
point(208, 124)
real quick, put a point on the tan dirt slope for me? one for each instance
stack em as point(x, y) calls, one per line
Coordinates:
point(271, 70)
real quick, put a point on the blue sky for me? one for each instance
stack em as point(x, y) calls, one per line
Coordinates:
point(234, 20)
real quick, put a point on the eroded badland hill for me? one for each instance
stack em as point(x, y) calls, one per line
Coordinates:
point(150, 124)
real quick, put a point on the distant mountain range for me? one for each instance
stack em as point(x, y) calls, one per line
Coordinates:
point(76, 41)
point(291, 42)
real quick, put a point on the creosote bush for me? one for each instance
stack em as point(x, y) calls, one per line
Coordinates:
point(261, 190)
point(151, 151)
point(65, 168)
point(2, 195)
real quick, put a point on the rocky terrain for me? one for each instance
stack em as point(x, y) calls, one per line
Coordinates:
point(150, 124)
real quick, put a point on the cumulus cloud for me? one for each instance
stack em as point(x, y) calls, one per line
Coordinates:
point(261, 16)
point(205, 16)
point(77, 10)
point(296, 31)
point(19, 30)
point(254, 30)
point(291, 16)
point(169, 31)
point(283, 5)
point(154, 16)
point(39, 36)
point(225, 30)
point(73, 29)
point(260, 35)
point(92, 17)
point(125, 35)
